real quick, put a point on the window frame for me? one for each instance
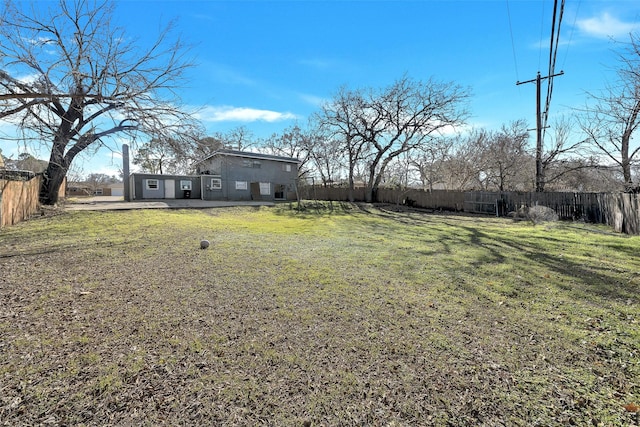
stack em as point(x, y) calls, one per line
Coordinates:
point(265, 188)
point(149, 186)
point(215, 184)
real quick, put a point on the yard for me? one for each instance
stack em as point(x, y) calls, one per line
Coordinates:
point(333, 315)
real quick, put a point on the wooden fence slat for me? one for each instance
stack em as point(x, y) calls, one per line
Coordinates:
point(19, 200)
point(618, 210)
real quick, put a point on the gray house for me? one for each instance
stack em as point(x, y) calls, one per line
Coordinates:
point(239, 175)
point(224, 175)
point(154, 186)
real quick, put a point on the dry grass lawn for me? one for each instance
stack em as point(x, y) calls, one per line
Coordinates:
point(333, 315)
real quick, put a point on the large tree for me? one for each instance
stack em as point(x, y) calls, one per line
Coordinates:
point(378, 126)
point(293, 142)
point(71, 78)
point(612, 121)
point(160, 157)
point(327, 160)
point(503, 157)
point(557, 156)
point(431, 163)
point(338, 121)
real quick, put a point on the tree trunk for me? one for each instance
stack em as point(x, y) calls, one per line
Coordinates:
point(55, 173)
point(626, 162)
point(351, 198)
point(51, 183)
point(368, 195)
point(541, 181)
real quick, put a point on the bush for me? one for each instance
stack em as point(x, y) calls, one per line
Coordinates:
point(535, 214)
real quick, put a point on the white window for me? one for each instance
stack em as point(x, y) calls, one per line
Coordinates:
point(256, 164)
point(265, 188)
point(185, 184)
point(152, 184)
point(216, 184)
point(286, 167)
point(98, 192)
point(241, 185)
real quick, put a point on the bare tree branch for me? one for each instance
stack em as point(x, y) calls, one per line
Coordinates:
point(96, 85)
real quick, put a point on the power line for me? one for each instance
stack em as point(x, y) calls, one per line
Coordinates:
point(573, 30)
point(513, 45)
point(553, 53)
point(541, 32)
point(542, 116)
point(539, 129)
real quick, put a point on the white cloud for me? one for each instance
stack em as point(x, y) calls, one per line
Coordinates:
point(605, 26)
point(28, 78)
point(241, 114)
point(314, 100)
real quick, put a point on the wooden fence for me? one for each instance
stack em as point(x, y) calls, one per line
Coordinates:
point(19, 198)
point(619, 210)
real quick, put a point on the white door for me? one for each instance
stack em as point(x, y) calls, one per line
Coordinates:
point(169, 189)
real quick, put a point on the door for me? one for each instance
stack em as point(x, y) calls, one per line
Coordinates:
point(255, 191)
point(169, 189)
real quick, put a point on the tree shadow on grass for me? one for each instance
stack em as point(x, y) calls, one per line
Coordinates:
point(590, 279)
point(315, 209)
point(465, 229)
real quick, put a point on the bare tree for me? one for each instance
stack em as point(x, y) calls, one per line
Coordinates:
point(584, 174)
point(86, 82)
point(377, 126)
point(406, 116)
point(431, 161)
point(562, 147)
point(26, 162)
point(295, 143)
point(611, 123)
point(338, 119)
point(160, 157)
point(462, 168)
point(239, 138)
point(205, 146)
point(99, 180)
point(489, 160)
point(327, 158)
point(504, 156)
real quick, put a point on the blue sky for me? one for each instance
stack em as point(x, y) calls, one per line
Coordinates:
point(267, 65)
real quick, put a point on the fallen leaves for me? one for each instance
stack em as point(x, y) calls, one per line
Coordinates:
point(631, 407)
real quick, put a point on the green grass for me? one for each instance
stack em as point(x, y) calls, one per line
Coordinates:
point(331, 315)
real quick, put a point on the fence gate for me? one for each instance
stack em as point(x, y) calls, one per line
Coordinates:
point(483, 202)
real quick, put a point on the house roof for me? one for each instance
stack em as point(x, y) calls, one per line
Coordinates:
point(248, 155)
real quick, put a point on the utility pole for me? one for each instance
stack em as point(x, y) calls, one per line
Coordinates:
point(539, 172)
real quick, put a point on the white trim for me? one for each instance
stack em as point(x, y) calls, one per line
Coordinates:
point(265, 188)
point(148, 181)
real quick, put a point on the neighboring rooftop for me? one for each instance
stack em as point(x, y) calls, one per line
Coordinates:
point(248, 155)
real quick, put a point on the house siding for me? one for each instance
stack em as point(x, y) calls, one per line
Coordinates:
point(141, 189)
point(225, 175)
point(248, 178)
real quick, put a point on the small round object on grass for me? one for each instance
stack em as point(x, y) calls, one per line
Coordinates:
point(204, 244)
